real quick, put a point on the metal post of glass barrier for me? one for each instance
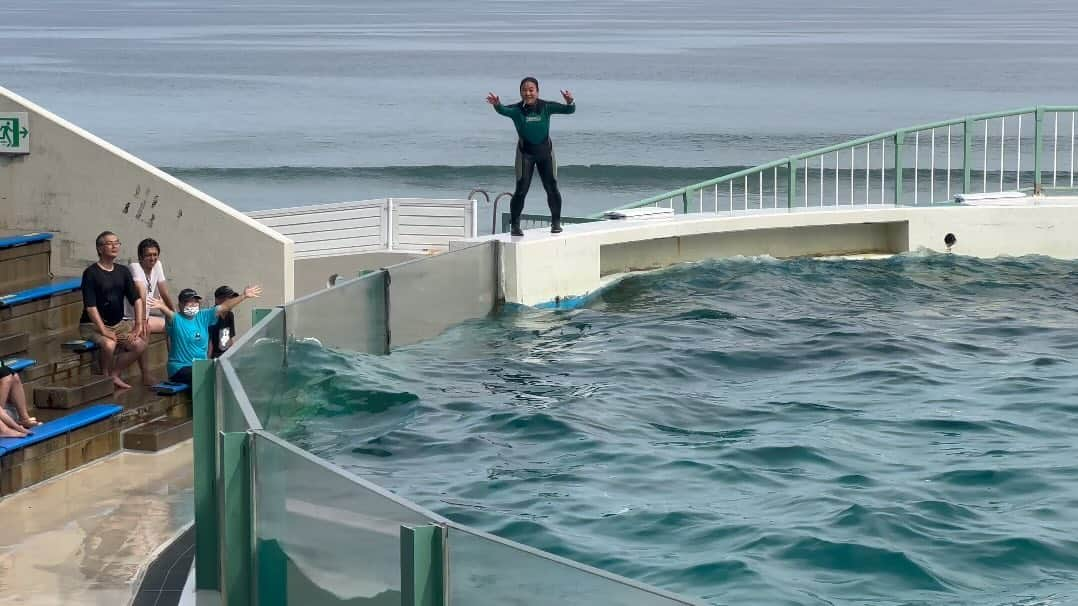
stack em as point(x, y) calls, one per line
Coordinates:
point(422, 565)
point(258, 313)
point(236, 518)
point(204, 413)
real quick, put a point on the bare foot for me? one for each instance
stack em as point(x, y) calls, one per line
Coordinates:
point(150, 381)
point(29, 422)
point(7, 432)
point(119, 383)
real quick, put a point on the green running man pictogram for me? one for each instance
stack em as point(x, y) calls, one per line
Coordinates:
point(11, 133)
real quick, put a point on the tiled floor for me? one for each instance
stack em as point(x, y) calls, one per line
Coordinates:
point(166, 576)
point(81, 539)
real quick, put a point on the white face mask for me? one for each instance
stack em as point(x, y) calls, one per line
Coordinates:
point(190, 310)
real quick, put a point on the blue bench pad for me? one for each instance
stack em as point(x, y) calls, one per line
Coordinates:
point(23, 239)
point(59, 427)
point(18, 364)
point(79, 345)
point(41, 292)
point(170, 388)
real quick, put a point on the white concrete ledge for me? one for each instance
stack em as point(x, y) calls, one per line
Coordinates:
point(553, 269)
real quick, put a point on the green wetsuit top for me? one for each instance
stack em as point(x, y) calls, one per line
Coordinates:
point(533, 121)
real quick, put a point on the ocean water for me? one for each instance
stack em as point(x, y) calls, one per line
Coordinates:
point(270, 104)
point(748, 431)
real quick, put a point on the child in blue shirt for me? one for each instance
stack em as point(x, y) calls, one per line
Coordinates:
point(189, 329)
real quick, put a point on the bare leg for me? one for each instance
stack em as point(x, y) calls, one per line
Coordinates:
point(17, 396)
point(8, 427)
point(131, 349)
point(106, 355)
point(156, 324)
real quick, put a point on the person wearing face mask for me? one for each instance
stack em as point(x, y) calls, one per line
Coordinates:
point(531, 117)
point(189, 330)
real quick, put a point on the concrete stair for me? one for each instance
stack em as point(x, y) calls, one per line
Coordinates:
point(13, 343)
point(54, 313)
point(158, 434)
point(66, 452)
point(141, 405)
point(69, 393)
point(24, 265)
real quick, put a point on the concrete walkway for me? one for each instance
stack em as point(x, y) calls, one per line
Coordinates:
point(83, 538)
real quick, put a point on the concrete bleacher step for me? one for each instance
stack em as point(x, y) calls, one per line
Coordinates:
point(48, 312)
point(57, 446)
point(39, 291)
point(69, 393)
point(13, 343)
point(158, 434)
point(140, 405)
point(24, 260)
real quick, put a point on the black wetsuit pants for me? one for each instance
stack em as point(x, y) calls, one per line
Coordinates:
point(528, 159)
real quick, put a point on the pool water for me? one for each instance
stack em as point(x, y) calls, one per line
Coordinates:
point(749, 431)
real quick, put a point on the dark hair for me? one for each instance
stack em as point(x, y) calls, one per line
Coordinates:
point(147, 243)
point(99, 242)
point(529, 79)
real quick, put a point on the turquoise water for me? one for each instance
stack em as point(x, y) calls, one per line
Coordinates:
point(749, 431)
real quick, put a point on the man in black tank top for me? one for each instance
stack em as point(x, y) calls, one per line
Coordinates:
point(531, 117)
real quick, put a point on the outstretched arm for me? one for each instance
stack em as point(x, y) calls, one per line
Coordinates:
point(496, 102)
point(251, 292)
point(160, 305)
point(563, 108)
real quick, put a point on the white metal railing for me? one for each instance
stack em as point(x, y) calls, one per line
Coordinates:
point(411, 224)
point(1031, 149)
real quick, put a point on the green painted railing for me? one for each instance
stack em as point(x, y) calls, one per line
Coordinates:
point(1030, 148)
point(276, 525)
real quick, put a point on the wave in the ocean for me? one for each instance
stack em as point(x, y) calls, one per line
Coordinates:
point(599, 173)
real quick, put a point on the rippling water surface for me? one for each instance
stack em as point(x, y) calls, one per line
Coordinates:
point(751, 431)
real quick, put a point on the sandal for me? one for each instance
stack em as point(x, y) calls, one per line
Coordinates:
point(29, 422)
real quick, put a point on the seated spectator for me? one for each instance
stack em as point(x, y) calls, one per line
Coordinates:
point(149, 276)
point(222, 333)
point(105, 285)
point(11, 390)
point(189, 329)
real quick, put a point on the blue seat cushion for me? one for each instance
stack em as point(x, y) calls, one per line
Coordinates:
point(170, 388)
point(79, 345)
point(41, 292)
point(18, 364)
point(58, 427)
point(23, 239)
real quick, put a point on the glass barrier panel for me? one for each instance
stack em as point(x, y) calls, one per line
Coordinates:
point(429, 295)
point(487, 571)
point(236, 411)
point(229, 416)
point(258, 359)
point(323, 536)
point(266, 337)
point(349, 316)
